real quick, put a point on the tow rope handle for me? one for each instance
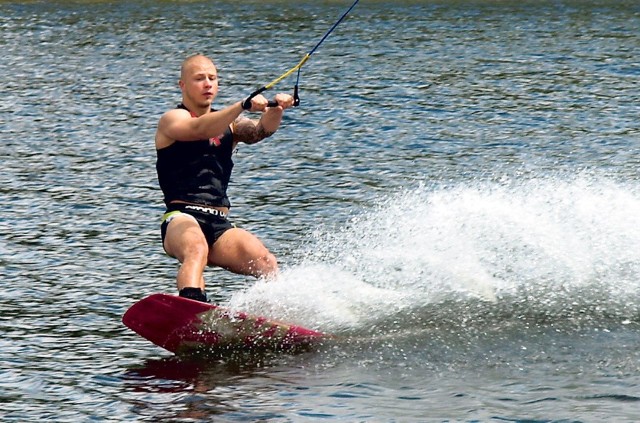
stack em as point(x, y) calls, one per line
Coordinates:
point(246, 104)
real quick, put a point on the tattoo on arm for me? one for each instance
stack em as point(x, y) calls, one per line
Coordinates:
point(250, 132)
point(263, 133)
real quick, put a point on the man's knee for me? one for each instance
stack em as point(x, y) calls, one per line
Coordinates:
point(263, 265)
point(196, 251)
point(270, 263)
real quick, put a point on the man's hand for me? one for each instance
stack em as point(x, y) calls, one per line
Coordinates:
point(284, 100)
point(258, 103)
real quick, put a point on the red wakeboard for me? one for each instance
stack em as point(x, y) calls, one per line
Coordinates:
point(182, 325)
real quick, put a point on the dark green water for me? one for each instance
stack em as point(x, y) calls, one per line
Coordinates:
point(457, 198)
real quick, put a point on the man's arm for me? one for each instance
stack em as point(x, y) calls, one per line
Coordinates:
point(251, 131)
point(178, 124)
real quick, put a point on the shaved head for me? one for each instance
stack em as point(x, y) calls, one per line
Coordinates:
point(198, 82)
point(192, 61)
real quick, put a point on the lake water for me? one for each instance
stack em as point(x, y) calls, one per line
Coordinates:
point(457, 199)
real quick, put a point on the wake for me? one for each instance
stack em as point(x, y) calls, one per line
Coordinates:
point(557, 247)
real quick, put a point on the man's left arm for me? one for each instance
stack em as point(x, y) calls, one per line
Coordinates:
point(251, 131)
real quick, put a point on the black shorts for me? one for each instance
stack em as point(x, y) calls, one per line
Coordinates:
point(213, 223)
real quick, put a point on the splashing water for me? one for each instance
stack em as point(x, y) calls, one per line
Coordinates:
point(561, 248)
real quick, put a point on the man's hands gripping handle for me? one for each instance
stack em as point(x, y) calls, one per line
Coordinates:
point(247, 104)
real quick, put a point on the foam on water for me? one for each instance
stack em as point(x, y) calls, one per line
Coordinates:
point(553, 246)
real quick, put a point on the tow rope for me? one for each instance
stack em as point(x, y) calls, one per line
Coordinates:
point(246, 104)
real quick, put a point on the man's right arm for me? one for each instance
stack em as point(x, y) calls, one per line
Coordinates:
point(178, 124)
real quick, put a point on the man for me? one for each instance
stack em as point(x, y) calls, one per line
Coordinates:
point(194, 145)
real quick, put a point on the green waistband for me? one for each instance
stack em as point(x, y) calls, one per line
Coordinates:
point(170, 215)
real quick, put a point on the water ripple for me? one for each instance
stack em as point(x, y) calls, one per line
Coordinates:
point(487, 108)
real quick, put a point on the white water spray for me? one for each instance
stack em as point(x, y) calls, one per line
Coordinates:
point(550, 243)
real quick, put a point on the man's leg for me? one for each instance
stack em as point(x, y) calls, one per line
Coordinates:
point(241, 252)
point(186, 242)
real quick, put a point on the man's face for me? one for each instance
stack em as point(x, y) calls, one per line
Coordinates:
point(199, 81)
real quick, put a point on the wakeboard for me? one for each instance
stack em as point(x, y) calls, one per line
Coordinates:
point(181, 325)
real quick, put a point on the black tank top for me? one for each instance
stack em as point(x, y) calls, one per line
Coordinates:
point(196, 171)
